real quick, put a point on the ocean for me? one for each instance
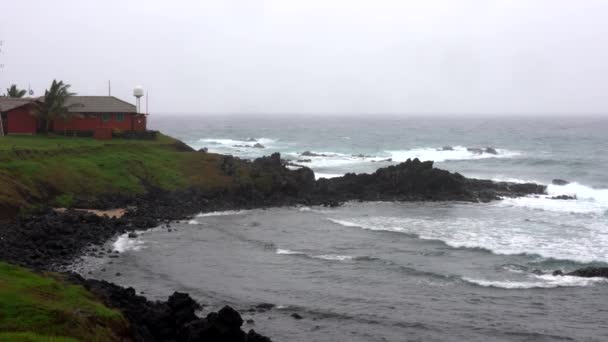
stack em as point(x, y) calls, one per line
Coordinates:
point(382, 271)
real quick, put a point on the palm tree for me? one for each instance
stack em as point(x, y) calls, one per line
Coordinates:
point(54, 104)
point(13, 91)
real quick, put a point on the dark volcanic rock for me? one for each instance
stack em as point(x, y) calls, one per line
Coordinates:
point(490, 150)
point(564, 197)
point(414, 180)
point(173, 320)
point(475, 150)
point(447, 148)
point(258, 145)
point(559, 182)
point(590, 272)
point(312, 154)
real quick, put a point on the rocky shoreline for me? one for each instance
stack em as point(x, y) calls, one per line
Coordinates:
point(50, 240)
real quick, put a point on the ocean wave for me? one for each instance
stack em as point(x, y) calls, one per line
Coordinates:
point(537, 281)
point(288, 252)
point(125, 243)
point(328, 257)
point(440, 155)
point(587, 200)
point(232, 142)
point(334, 257)
point(497, 236)
point(222, 213)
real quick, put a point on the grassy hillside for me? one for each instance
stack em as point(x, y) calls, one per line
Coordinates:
point(56, 170)
point(37, 307)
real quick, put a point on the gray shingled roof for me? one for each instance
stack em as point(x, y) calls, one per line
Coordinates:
point(8, 103)
point(99, 104)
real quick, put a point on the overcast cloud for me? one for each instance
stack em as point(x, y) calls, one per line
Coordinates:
point(337, 56)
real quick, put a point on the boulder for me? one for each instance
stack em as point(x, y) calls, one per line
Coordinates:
point(563, 197)
point(447, 148)
point(590, 272)
point(490, 150)
point(558, 181)
point(312, 154)
point(258, 145)
point(475, 150)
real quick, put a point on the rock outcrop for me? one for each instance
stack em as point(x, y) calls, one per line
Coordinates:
point(173, 320)
point(588, 272)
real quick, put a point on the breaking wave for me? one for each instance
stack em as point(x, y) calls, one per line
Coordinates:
point(587, 200)
point(125, 243)
point(441, 155)
point(497, 236)
point(328, 257)
point(222, 213)
point(537, 281)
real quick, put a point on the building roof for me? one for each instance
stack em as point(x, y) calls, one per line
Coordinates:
point(78, 104)
point(99, 104)
point(8, 103)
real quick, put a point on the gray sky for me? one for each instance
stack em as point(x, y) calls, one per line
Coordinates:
point(330, 56)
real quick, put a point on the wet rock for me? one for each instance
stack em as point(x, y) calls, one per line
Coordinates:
point(558, 181)
point(203, 150)
point(304, 160)
point(447, 148)
point(590, 272)
point(173, 320)
point(312, 154)
point(296, 316)
point(262, 307)
point(490, 150)
point(563, 197)
point(475, 150)
point(132, 235)
point(258, 145)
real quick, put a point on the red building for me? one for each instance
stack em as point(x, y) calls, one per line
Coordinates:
point(89, 114)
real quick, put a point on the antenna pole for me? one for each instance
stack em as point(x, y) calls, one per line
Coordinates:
point(147, 102)
point(109, 88)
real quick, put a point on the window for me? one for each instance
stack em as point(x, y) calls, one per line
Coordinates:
point(106, 117)
point(120, 117)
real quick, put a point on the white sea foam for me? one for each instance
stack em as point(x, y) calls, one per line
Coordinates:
point(329, 257)
point(438, 155)
point(319, 175)
point(333, 257)
point(221, 213)
point(500, 235)
point(193, 222)
point(588, 200)
point(233, 142)
point(124, 243)
point(538, 281)
point(288, 252)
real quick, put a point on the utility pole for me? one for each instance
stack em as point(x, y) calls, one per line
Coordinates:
point(109, 88)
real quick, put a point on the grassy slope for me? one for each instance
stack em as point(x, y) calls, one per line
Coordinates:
point(37, 307)
point(54, 170)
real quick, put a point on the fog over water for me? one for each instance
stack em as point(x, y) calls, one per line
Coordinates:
point(330, 56)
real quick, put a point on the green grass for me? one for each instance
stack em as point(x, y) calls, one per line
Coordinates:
point(36, 307)
point(59, 171)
